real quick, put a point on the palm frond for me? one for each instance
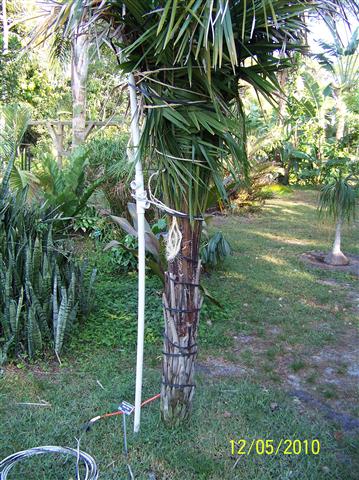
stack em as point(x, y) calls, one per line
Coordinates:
point(188, 57)
point(15, 119)
point(338, 199)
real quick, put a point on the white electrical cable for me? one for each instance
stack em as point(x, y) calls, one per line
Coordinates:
point(91, 470)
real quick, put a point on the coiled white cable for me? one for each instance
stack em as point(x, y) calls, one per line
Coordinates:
point(91, 470)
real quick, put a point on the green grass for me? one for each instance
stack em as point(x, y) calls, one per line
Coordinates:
point(266, 285)
point(200, 450)
point(268, 295)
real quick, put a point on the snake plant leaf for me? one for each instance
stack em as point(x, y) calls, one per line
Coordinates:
point(63, 315)
point(124, 224)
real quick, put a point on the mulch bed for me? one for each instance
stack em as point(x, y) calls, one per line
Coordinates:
point(316, 259)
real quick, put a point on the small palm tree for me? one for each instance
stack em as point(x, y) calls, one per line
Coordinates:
point(338, 201)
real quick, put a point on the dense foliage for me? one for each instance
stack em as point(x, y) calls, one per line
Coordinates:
point(42, 288)
point(227, 136)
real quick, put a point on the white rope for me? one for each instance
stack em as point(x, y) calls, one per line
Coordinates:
point(174, 237)
point(173, 241)
point(90, 467)
point(157, 203)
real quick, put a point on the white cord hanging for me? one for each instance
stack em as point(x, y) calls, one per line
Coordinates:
point(173, 241)
point(174, 237)
point(157, 203)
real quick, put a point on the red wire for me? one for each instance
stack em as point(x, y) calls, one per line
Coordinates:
point(150, 399)
point(118, 412)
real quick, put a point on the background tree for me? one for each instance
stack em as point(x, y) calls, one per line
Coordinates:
point(79, 73)
point(342, 62)
point(5, 28)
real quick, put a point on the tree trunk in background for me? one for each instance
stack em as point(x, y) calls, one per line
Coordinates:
point(5, 27)
point(284, 179)
point(321, 137)
point(182, 301)
point(282, 79)
point(341, 113)
point(79, 73)
point(336, 256)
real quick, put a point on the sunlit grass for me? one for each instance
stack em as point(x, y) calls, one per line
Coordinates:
point(269, 296)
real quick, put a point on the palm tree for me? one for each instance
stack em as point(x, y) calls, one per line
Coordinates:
point(189, 58)
point(342, 62)
point(79, 73)
point(338, 201)
point(71, 46)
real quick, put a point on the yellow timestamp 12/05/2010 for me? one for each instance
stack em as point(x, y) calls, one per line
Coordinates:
point(260, 446)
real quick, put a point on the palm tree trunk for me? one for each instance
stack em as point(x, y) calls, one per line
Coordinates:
point(338, 238)
point(79, 73)
point(336, 256)
point(341, 114)
point(182, 303)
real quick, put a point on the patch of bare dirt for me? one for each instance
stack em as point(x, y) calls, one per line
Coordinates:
point(316, 259)
point(352, 293)
point(22, 369)
point(219, 367)
point(329, 379)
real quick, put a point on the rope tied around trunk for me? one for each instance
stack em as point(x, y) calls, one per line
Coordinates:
point(174, 236)
point(178, 385)
point(180, 347)
point(181, 310)
point(189, 284)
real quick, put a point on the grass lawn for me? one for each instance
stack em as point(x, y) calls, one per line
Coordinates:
point(278, 361)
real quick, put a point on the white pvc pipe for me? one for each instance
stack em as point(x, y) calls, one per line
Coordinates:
point(140, 208)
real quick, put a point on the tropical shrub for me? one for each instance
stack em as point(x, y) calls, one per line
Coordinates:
point(251, 194)
point(125, 250)
point(123, 255)
point(93, 222)
point(66, 188)
point(338, 201)
point(108, 157)
point(42, 289)
point(214, 250)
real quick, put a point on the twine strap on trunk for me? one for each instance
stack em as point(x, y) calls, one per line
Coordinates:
point(189, 259)
point(177, 385)
point(189, 284)
point(188, 347)
point(181, 310)
point(181, 354)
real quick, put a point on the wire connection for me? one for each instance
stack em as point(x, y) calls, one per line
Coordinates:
point(93, 420)
point(91, 469)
